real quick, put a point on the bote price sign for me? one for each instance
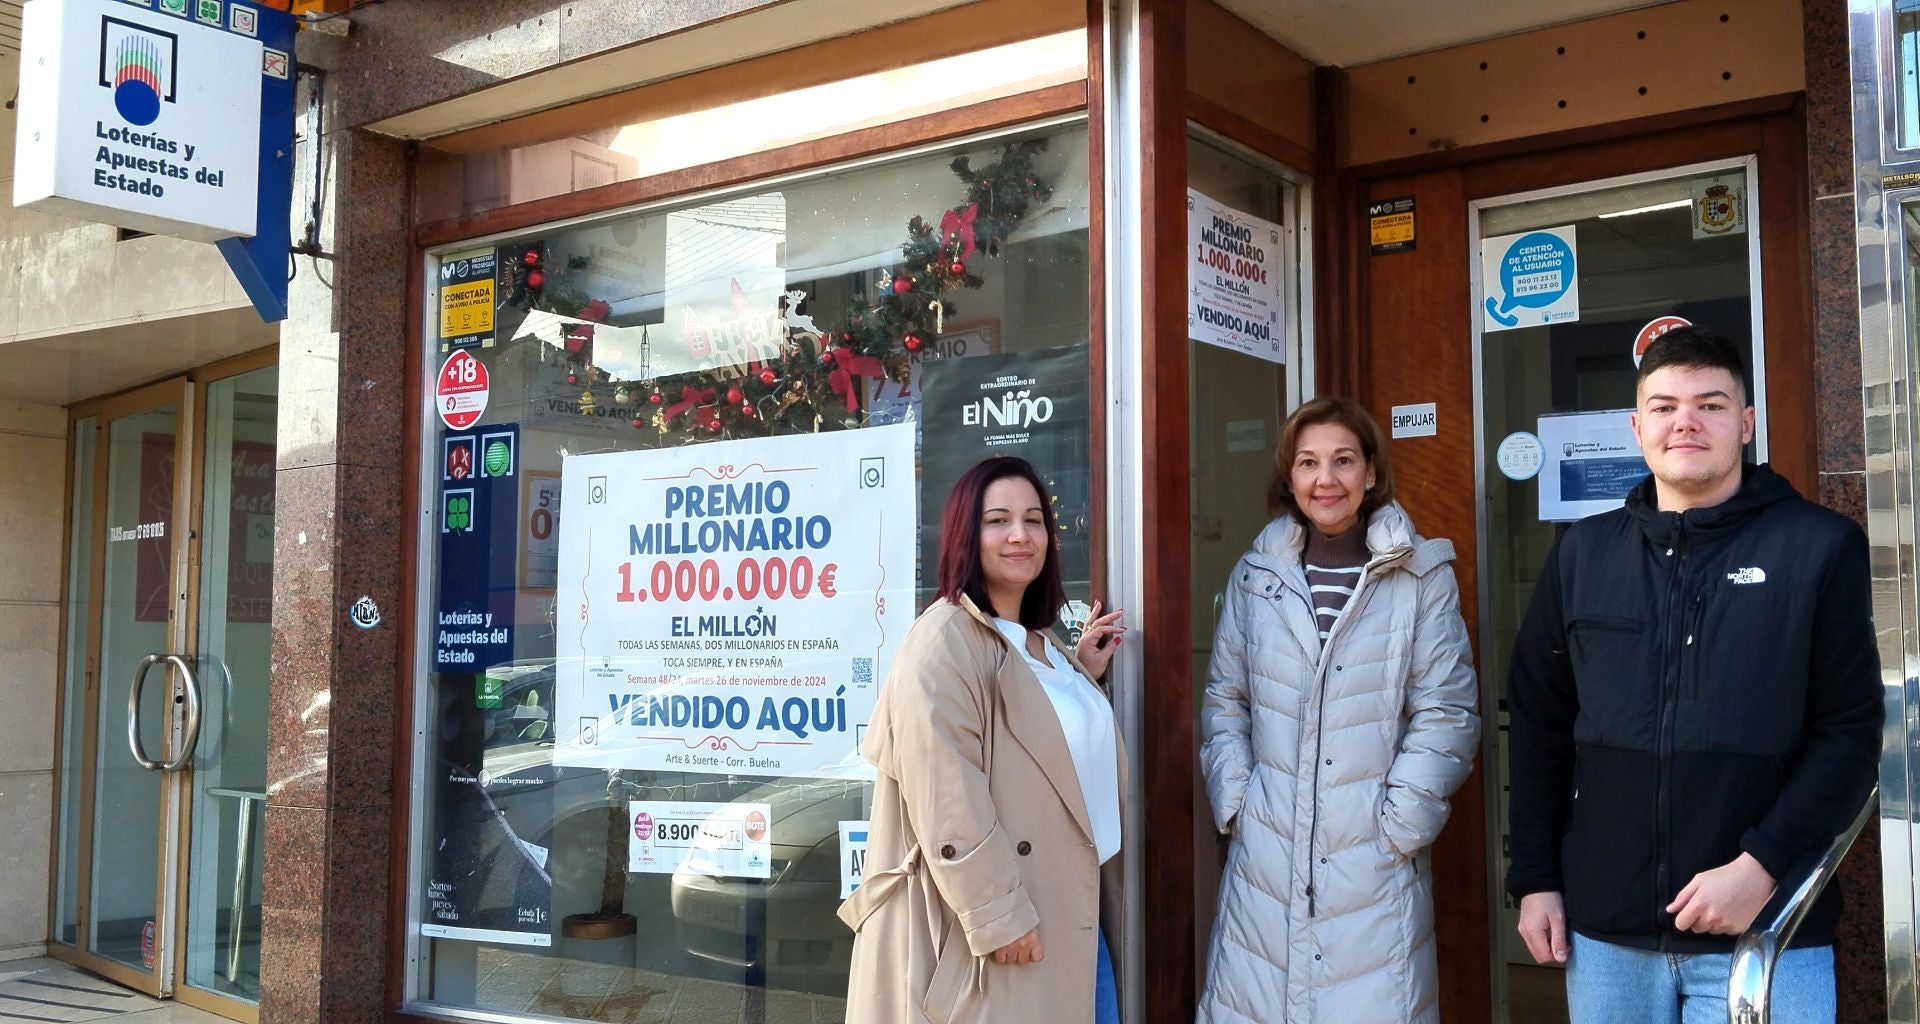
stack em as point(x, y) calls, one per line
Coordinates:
point(734, 604)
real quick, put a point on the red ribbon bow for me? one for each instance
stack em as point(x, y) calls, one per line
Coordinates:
point(689, 397)
point(849, 364)
point(957, 226)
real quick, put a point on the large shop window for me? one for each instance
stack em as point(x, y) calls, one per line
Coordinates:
point(684, 481)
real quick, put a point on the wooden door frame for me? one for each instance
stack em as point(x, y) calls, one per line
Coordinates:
point(1430, 298)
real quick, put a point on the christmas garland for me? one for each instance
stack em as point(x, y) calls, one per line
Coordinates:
point(814, 381)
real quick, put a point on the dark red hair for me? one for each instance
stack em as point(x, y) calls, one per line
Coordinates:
point(960, 571)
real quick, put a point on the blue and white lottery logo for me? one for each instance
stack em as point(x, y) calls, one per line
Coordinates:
point(1536, 272)
point(138, 64)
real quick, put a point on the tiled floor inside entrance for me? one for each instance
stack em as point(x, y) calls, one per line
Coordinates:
point(45, 990)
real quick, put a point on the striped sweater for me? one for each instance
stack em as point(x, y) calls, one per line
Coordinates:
point(1334, 565)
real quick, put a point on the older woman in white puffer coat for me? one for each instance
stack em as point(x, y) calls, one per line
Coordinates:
point(1339, 717)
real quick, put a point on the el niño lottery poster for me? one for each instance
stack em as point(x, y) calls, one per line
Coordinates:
point(733, 606)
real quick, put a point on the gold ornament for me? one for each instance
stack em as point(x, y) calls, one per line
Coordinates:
point(587, 402)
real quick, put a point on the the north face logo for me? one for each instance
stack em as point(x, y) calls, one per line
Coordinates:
point(1753, 575)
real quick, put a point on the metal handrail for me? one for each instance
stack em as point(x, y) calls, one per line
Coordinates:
point(1758, 952)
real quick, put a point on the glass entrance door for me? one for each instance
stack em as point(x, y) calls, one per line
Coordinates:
point(220, 942)
point(127, 706)
point(163, 760)
point(1555, 379)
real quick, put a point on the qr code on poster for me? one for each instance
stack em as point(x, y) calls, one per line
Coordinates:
point(863, 671)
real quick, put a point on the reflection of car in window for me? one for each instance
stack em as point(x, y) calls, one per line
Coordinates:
point(521, 693)
point(785, 925)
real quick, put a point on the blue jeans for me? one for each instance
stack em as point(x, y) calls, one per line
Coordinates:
point(1106, 999)
point(1610, 984)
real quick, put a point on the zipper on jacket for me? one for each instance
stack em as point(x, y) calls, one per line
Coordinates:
point(1671, 648)
point(1319, 732)
point(1693, 618)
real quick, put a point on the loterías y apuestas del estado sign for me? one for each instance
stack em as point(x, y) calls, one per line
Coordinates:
point(141, 114)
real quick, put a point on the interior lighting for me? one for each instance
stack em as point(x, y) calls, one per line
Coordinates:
point(1674, 205)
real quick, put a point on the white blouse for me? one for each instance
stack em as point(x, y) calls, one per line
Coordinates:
point(1087, 720)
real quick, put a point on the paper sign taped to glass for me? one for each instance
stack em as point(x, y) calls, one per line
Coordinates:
point(1590, 461)
point(732, 607)
point(723, 840)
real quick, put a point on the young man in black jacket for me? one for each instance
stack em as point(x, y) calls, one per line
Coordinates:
point(1695, 702)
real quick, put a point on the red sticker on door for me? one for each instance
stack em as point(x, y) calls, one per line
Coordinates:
point(460, 394)
point(1652, 332)
point(146, 946)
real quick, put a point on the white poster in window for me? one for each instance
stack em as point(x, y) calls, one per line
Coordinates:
point(722, 840)
point(853, 856)
point(1529, 279)
point(726, 286)
point(1233, 279)
point(1590, 460)
point(731, 607)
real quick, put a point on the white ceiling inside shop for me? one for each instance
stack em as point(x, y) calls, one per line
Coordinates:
point(1346, 33)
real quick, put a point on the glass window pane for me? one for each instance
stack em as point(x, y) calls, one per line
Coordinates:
point(916, 290)
point(1906, 56)
point(235, 619)
point(1561, 393)
point(135, 618)
point(1237, 405)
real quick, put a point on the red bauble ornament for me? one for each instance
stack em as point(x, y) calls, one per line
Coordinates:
point(655, 398)
point(573, 378)
point(846, 337)
point(638, 423)
point(536, 280)
point(531, 258)
point(713, 426)
point(826, 357)
point(957, 268)
point(746, 409)
point(913, 342)
point(767, 377)
point(902, 285)
point(735, 396)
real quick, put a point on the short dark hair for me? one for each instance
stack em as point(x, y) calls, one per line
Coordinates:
point(1344, 412)
point(1694, 348)
point(960, 571)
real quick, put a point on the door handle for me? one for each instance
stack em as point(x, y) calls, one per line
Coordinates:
point(140, 757)
point(192, 732)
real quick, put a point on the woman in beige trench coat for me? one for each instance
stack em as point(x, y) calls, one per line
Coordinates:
point(997, 807)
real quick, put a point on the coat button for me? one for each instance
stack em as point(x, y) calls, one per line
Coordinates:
point(1329, 761)
point(1024, 848)
point(947, 851)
